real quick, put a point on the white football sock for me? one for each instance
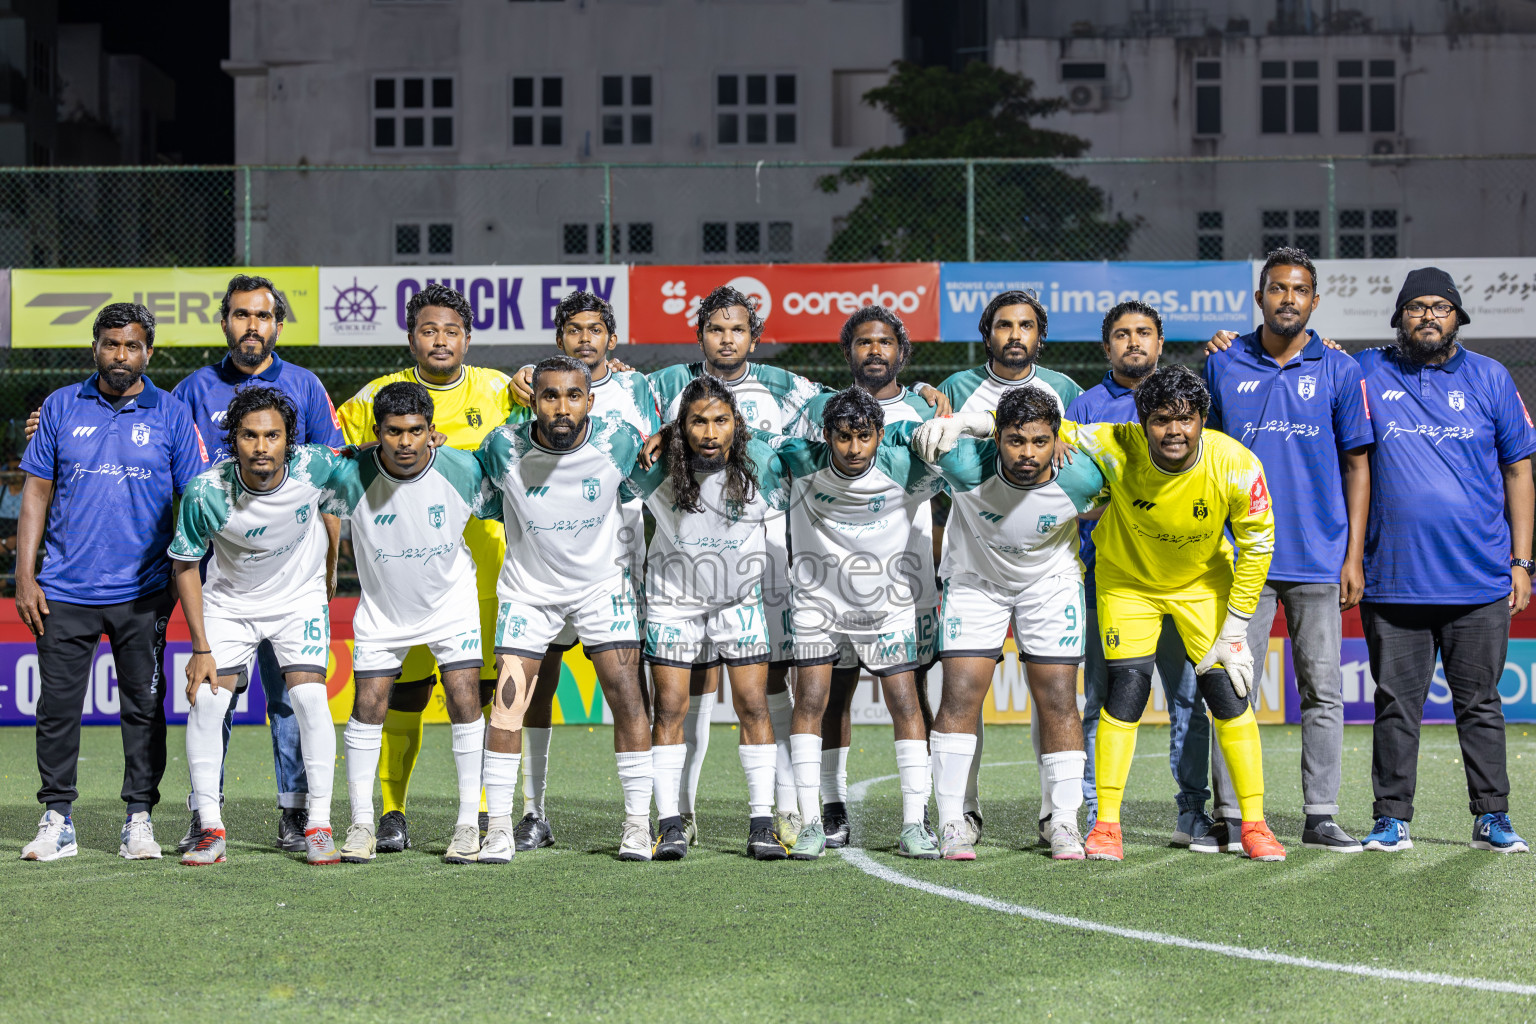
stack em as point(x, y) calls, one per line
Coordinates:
point(667, 776)
point(636, 780)
point(972, 790)
point(362, 742)
point(468, 759)
point(757, 761)
point(535, 768)
point(916, 779)
point(696, 740)
point(205, 752)
point(805, 754)
point(317, 742)
point(952, 755)
point(834, 775)
point(499, 777)
point(1047, 803)
point(1063, 774)
point(781, 713)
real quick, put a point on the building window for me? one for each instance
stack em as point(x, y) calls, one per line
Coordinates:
point(1207, 97)
point(1208, 235)
point(756, 110)
point(1300, 229)
point(581, 240)
point(1084, 72)
point(1288, 97)
point(537, 118)
point(413, 112)
point(641, 239)
point(1368, 95)
point(748, 238)
point(1368, 233)
point(627, 110)
point(423, 242)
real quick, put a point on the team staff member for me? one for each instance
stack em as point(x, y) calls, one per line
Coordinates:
point(469, 402)
point(1133, 343)
point(1447, 553)
point(1300, 406)
point(103, 472)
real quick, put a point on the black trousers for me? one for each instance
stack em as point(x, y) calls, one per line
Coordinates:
point(65, 651)
point(1471, 641)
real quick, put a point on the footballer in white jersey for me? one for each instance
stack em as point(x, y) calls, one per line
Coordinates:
point(852, 503)
point(270, 577)
point(408, 504)
point(704, 597)
point(561, 479)
point(1011, 559)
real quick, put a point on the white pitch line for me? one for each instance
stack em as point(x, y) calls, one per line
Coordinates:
point(861, 860)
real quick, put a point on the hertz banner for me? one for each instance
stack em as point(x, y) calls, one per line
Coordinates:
point(55, 308)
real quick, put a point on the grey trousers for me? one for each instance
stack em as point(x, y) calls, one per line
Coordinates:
point(1317, 633)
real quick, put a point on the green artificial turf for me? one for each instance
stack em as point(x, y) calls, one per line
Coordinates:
point(573, 934)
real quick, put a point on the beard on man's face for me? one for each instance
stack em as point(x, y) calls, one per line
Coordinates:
point(252, 357)
point(1421, 346)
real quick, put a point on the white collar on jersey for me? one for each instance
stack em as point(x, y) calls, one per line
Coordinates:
point(607, 376)
point(856, 476)
point(431, 458)
point(460, 379)
point(900, 396)
point(248, 489)
point(1011, 383)
point(1199, 454)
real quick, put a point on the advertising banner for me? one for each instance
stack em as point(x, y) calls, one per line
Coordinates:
point(798, 302)
point(1195, 299)
point(512, 305)
point(1359, 296)
point(55, 308)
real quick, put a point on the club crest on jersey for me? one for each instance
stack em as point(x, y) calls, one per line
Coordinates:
point(301, 514)
point(141, 433)
point(952, 629)
point(436, 516)
point(1201, 510)
point(877, 503)
point(1458, 401)
point(749, 409)
point(733, 511)
point(1307, 386)
point(1046, 524)
point(591, 487)
point(472, 416)
point(516, 626)
point(1112, 637)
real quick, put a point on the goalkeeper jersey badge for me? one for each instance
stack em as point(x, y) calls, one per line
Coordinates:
point(436, 515)
point(472, 416)
point(1112, 638)
point(1201, 510)
point(591, 487)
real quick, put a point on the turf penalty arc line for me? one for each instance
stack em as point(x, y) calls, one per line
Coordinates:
point(861, 860)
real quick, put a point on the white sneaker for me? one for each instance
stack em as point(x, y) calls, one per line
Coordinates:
point(499, 845)
point(138, 838)
point(635, 843)
point(55, 839)
point(464, 848)
point(362, 844)
point(1066, 843)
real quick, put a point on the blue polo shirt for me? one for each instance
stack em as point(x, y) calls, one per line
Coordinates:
point(1437, 532)
point(1296, 418)
point(207, 391)
point(1105, 402)
point(115, 476)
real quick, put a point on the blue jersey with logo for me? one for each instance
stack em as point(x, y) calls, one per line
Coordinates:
point(1105, 402)
point(208, 390)
point(1296, 418)
point(1437, 532)
point(115, 476)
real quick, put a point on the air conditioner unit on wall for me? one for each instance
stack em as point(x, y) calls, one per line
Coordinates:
point(1389, 145)
point(1086, 97)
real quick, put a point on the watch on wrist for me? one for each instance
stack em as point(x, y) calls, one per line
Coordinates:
point(1524, 563)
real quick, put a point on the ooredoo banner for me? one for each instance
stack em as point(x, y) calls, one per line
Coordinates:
point(512, 305)
point(798, 302)
point(1195, 299)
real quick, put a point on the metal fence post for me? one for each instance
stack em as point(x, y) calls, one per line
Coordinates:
point(607, 213)
point(970, 211)
point(247, 176)
point(1331, 236)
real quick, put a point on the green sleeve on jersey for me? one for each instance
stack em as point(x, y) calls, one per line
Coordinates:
point(896, 461)
point(496, 452)
point(346, 486)
point(620, 442)
point(768, 469)
point(669, 381)
point(797, 456)
point(959, 387)
point(202, 512)
point(790, 390)
point(1065, 387)
point(519, 414)
point(464, 471)
point(1084, 484)
point(642, 483)
point(968, 464)
point(644, 397)
point(807, 425)
point(918, 404)
point(314, 463)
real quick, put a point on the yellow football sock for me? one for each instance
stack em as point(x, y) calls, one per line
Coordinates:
point(397, 756)
point(1112, 753)
point(1239, 739)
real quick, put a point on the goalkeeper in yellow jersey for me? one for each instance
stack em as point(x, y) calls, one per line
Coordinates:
point(470, 402)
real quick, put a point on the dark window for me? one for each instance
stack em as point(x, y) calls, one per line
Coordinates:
point(550, 125)
point(442, 131)
point(1304, 69)
point(407, 114)
point(784, 128)
point(407, 239)
point(1383, 69)
point(383, 132)
point(575, 240)
point(415, 131)
point(1084, 71)
point(613, 90)
point(1351, 247)
point(413, 93)
point(440, 239)
point(522, 131)
point(1272, 110)
point(640, 90)
point(1383, 106)
point(1272, 69)
point(1276, 219)
point(442, 92)
point(725, 129)
point(716, 237)
point(522, 92)
point(598, 235)
point(757, 90)
point(1351, 107)
point(613, 129)
point(725, 91)
point(1310, 244)
point(734, 125)
point(784, 90)
point(1351, 69)
point(1351, 219)
point(550, 133)
point(1208, 110)
point(1304, 112)
point(757, 128)
point(640, 129)
point(384, 93)
point(781, 236)
point(554, 89)
point(748, 236)
point(1383, 247)
point(641, 238)
point(1308, 219)
point(1209, 220)
point(1383, 219)
point(1208, 247)
point(1207, 70)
